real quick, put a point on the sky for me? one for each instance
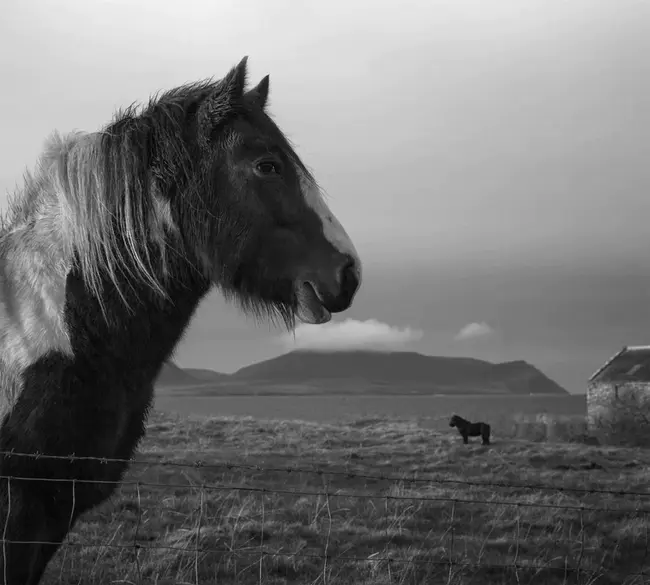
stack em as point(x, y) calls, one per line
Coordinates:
point(488, 159)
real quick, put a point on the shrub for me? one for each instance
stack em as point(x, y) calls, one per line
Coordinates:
point(626, 423)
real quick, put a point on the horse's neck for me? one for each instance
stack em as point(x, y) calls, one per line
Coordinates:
point(140, 330)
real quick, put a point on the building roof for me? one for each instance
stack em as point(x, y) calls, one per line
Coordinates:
point(631, 364)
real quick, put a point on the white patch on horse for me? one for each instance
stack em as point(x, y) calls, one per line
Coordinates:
point(333, 231)
point(32, 285)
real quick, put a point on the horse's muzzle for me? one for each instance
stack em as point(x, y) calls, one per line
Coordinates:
point(328, 291)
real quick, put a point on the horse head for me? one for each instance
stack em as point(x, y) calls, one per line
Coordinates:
point(268, 238)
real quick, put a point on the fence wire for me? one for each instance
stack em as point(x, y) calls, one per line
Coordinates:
point(414, 478)
point(408, 530)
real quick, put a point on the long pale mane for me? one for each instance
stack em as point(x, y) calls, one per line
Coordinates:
point(103, 189)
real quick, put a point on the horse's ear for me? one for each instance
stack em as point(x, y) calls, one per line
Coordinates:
point(236, 78)
point(227, 93)
point(259, 94)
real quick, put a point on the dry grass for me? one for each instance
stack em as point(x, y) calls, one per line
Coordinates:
point(264, 533)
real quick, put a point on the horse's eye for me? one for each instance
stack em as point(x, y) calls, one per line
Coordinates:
point(268, 167)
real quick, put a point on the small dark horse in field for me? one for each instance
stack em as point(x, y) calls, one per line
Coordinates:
point(104, 257)
point(469, 429)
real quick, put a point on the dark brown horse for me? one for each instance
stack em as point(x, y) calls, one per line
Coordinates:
point(469, 429)
point(104, 257)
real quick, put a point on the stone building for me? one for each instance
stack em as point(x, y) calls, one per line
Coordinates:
point(621, 386)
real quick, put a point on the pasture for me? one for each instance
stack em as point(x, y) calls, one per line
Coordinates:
point(373, 501)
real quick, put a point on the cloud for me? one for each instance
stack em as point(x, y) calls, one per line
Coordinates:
point(351, 334)
point(474, 331)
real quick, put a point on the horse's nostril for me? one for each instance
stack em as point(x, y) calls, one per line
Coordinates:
point(349, 278)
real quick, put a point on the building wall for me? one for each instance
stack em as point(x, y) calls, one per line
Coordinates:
point(603, 400)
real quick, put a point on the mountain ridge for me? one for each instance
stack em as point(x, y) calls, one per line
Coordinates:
point(402, 370)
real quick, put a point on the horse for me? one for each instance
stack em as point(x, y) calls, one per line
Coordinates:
point(469, 429)
point(105, 254)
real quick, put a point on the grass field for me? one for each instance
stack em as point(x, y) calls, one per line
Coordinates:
point(471, 515)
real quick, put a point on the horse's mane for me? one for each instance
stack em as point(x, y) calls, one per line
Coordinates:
point(104, 184)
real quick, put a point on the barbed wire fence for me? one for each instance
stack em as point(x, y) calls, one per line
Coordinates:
point(258, 524)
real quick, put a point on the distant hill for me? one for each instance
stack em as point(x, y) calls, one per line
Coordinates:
point(368, 372)
point(172, 376)
point(206, 375)
point(440, 375)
